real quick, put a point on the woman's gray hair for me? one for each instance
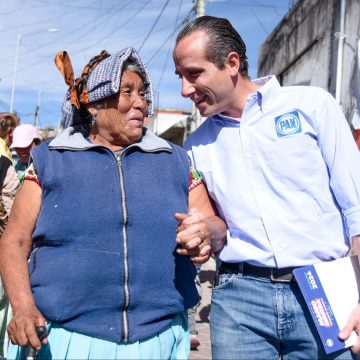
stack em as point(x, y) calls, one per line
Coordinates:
point(104, 81)
point(132, 66)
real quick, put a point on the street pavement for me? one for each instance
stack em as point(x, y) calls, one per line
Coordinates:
point(207, 274)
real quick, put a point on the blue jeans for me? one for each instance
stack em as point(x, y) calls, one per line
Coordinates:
point(254, 318)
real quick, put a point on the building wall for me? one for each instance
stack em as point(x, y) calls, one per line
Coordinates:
point(352, 33)
point(303, 48)
point(170, 124)
point(298, 50)
point(48, 132)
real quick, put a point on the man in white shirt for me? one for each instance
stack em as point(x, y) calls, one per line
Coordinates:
point(283, 169)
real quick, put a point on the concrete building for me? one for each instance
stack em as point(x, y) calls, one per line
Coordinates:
point(47, 133)
point(170, 124)
point(317, 43)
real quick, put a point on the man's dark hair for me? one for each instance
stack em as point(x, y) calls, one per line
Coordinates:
point(223, 39)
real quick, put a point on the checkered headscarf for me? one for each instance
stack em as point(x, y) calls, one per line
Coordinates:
point(102, 80)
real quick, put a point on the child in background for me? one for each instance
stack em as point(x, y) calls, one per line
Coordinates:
point(25, 137)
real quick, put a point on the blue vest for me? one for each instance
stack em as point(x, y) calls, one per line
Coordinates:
point(104, 262)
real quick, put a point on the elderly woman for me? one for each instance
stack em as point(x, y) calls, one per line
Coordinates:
point(91, 247)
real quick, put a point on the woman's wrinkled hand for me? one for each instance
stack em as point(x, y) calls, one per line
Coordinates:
point(194, 236)
point(22, 327)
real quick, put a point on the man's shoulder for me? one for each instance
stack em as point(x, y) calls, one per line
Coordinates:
point(201, 135)
point(314, 92)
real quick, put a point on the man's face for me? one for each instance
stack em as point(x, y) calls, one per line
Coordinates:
point(210, 88)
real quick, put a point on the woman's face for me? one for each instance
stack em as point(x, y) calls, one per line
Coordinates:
point(120, 121)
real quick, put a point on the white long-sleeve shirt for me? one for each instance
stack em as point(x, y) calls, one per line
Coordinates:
point(285, 177)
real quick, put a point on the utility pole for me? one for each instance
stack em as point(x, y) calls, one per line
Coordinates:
point(18, 43)
point(200, 8)
point(18, 40)
point(37, 108)
point(194, 120)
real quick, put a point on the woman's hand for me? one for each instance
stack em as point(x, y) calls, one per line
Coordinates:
point(22, 327)
point(201, 231)
point(15, 247)
point(193, 235)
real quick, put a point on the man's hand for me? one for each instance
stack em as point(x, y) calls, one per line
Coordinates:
point(194, 236)
point(353, 324)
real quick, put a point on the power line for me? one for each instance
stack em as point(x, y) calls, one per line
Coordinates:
point(58, 16)
point(131, 17)
point(62, 3)
point(186, 19)
point(81, 28)
point(4, 105)
point(154, 24)
point(259, 22)
point(168, 52)
point(81, 36)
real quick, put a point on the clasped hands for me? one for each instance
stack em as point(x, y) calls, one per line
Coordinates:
point(194, 236)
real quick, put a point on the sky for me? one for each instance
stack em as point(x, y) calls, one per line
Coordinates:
point(36, 30)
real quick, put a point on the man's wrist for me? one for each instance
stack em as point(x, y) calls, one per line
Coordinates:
point(355, 245)
point(217, 244)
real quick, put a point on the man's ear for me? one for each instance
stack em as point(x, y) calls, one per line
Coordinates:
point(233, 63)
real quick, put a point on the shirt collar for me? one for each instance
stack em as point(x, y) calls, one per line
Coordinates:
point(269, 88)
point(69, 139)
point(264, 96)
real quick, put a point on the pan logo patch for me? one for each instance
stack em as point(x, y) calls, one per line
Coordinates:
point(288, 124)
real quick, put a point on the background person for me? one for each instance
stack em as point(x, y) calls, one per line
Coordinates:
point(8, 122)
point(283, 169)
point(9, 185)
point(95, 217)
point(25, 137)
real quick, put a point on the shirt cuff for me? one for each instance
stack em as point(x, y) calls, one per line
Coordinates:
point(352, 221)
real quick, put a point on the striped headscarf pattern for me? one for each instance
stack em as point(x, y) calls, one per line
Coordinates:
point(103, 81)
